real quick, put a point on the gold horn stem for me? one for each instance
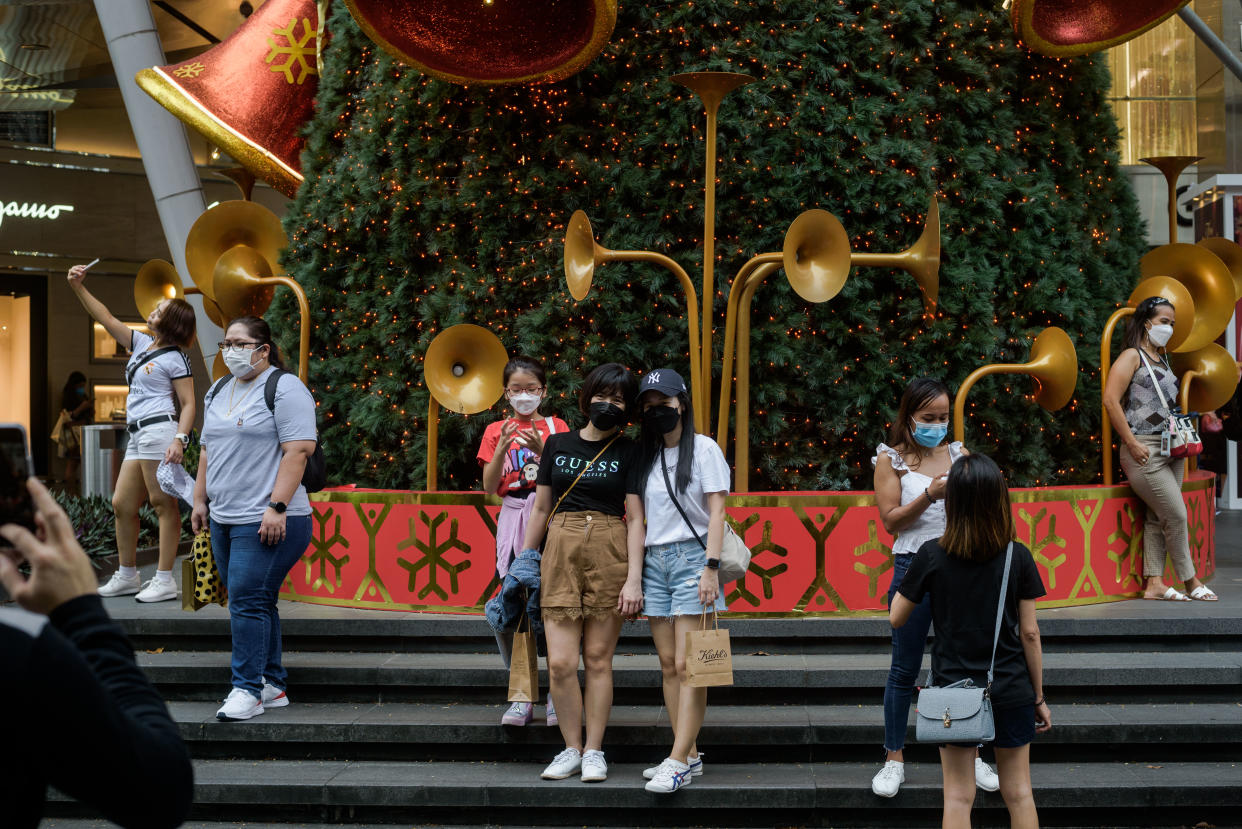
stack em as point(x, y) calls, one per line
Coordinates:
point(698, 392)
point(742, 454)
point(304, 309)
point(730, 341)
point(433, 440)
point(1183, 399)
point(1106, 361)
point(1172, 167)
point(711, 87)
point(959, 403)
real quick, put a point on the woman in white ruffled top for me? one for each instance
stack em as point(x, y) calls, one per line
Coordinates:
point(910, 474)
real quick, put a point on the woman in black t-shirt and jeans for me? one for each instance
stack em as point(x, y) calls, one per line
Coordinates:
point(591, 571)
point(962, 572)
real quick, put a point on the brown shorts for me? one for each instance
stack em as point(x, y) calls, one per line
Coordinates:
point(584, 565)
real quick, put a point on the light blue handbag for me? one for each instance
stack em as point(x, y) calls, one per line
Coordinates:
point(962, 712)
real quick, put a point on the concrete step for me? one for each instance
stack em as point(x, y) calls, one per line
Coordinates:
point(731, 734)
point(777, 794)
point(1114, 627)
point(758, 676)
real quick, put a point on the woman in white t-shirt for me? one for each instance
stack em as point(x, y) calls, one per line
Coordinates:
point(681, 580)
point(159, 414)
point(249, 493)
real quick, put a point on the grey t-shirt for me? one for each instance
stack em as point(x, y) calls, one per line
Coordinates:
point(243, 446)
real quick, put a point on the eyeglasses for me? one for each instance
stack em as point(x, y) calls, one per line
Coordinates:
point(239, 345)
point(528, 390)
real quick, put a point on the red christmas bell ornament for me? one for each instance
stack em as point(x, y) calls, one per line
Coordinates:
point(1066, 28)
point(251, 94)
point(489, 41)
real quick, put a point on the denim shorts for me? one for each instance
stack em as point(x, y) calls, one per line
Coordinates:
point(671, 574)
point(1015, 727)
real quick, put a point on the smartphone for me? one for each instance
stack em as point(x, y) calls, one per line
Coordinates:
point(16, 466)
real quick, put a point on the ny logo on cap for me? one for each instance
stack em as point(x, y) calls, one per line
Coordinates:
point(653, 377)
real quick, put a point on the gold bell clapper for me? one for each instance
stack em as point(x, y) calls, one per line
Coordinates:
point(1053, 364)
point(464, 369)
point(489, 43)
point(251, 94)
point(1162, 286)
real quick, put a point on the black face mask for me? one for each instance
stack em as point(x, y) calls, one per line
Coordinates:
point(661, 419)
point(606, 416)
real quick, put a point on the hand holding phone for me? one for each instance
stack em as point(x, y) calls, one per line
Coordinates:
point(59, 570)
point(16, 506)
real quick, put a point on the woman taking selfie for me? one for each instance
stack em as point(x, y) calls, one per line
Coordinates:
point(161, 384)
point(962, 572)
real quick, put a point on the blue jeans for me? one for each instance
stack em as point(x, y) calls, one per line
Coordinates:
point(253, 572)
point(909, 640)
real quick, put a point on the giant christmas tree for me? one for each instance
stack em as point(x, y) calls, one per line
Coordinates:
point(428, 204)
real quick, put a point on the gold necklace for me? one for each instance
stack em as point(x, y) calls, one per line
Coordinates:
point(232, 389)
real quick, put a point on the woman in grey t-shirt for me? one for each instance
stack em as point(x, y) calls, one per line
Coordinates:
point(249, 492)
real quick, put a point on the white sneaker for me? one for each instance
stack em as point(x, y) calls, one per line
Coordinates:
point(118, 585)
point(696, 767)
point(985, 778)
point(565, 764)
point(594, 768)
point(669, 777)
point(274, 697)
point(158, 590)
point(888, 780)
point(239, 705)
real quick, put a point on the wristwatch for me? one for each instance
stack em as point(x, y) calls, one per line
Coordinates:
point(184, 438)
point(279, 506)
point(713, 564)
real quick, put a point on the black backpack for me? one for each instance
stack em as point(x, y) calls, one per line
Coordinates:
point(315, 476)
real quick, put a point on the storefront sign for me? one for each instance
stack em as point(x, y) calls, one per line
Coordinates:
point(32, 210)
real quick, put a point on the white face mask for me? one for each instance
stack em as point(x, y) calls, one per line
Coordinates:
point(238, 361)
point(525, 402)
point(1159, 335)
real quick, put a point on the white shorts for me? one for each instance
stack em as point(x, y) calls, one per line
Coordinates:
point(151, 442)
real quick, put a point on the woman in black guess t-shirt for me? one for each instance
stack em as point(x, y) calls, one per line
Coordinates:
point(962, 571)
point(591, 571)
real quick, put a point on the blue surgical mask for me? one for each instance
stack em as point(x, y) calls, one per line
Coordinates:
point(930, 434)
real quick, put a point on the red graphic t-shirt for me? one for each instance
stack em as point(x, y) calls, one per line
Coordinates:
point(517, 475)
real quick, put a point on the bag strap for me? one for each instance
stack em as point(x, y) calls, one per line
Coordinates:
point(1000, 612)
point(1154, 381)
point(214, 390)
point(668, 485)
point(146, 358)
point(269, 389)
point(590, 463)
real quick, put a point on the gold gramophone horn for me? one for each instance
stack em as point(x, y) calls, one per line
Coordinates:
point(157, 280)
point(1230, 253)
point(505, 42)
point(218, 368)
point(1053, 364)
point(226, 225)
point(1210, 284)
point(244, 286)
point(1065, 28)
point(1162, 286)
point(921, 260)
point(583, 254)
point(1209, 378)
point(464, 370)
point(816, 255)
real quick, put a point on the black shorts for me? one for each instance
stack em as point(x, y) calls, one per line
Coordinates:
point(1015, 727)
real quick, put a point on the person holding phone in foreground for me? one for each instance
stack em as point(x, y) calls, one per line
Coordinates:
point(90, 722)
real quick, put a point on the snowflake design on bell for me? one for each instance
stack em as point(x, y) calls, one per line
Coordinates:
point(294, 52)
point(190, 70)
